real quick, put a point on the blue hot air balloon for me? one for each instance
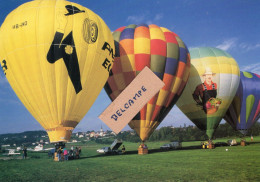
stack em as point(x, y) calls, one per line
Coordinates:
point(245, 108)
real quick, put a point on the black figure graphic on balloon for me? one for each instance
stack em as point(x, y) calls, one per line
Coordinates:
point(66, 48)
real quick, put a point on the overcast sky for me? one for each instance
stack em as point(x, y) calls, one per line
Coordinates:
point(229, 25)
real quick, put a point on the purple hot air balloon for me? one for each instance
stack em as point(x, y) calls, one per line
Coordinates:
point(245, 108)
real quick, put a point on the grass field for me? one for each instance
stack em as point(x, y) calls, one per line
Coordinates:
point(188, 164)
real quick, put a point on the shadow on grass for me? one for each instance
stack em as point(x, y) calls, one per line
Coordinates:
point(153, 151)
point(251, 142)
point(135, 152)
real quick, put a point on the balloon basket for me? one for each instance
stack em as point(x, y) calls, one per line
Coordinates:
point(243, 143)
point(142, 151)
point(211, 145)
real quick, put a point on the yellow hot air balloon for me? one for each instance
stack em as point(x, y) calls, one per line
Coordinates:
point(212, 85)
point(56, 56)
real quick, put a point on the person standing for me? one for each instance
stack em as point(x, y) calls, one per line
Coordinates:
point(59, 152)
point(65, 153)
point(77, 153)
point(24, 153)
point(123, 149)
point(79, 150)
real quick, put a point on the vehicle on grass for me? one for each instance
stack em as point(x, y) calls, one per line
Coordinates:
point(11, 152)
point(104, 150)
point(172, 145)
point(166, 147)
point(113, 149)
point(39, 148)
point(232, 142)
point(176, 145)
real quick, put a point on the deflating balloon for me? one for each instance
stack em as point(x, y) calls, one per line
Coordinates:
point(165, 54)
point(244, 111)
point(213, 81)
point(56, 56)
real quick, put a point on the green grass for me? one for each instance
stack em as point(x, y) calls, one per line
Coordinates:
point(189, 164)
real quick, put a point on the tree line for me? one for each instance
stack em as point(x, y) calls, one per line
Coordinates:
point(189, 133)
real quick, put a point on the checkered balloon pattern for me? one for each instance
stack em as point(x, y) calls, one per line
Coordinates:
point(161, 50)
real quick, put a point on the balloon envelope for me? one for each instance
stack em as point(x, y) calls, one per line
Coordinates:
point(213, 81)
point(245, 108)
point(55, 55)
point(165, 54)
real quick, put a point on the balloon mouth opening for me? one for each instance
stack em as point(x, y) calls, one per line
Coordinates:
point(59, 134)
point(243, 132)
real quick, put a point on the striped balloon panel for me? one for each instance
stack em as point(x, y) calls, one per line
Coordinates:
point(245, 108)
point(138, 46)
point(257, 113)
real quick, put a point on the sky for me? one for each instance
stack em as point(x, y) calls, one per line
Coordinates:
point(232, 26)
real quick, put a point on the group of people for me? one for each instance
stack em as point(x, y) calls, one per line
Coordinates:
point(65, 154)
point(142, 145)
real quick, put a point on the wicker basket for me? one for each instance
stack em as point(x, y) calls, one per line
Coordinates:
point(243, 143)
point(142, 151)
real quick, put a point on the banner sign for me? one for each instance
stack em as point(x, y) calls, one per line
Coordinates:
point(131, 100)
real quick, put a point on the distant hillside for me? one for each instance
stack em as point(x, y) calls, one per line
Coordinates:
point(23, 138)
point(186, 133)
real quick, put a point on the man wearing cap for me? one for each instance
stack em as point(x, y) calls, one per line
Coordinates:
point(206, 90)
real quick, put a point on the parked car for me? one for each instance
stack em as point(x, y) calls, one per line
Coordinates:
point(104, 150)
point(166, 147)
point(176, 145)
point(113, 149)
point(232, 142)
point(172, 145)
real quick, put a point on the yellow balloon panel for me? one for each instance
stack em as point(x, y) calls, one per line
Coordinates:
point(58, 56)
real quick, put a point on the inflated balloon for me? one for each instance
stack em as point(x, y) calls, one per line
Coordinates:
point(165, 54)
point(56, 56)
point(245, 108)
point(213, 82)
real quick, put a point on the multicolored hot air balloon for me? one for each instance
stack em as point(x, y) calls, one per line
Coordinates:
point(165, 54)
point(245, 108)
point(56, 56)
point(213, 82)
